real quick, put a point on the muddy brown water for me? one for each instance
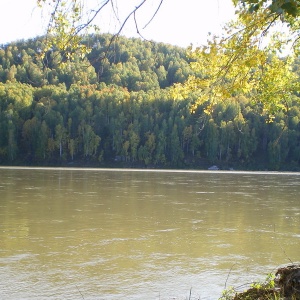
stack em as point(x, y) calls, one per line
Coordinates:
point(138, 234)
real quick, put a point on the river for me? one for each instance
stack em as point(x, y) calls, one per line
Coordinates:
point(142, 234)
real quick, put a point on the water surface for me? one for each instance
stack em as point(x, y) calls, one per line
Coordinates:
point(136, 234)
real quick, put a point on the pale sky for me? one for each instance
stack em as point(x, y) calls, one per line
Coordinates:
point(178, 22)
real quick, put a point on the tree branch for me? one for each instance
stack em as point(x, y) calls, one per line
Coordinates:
point(154, 14)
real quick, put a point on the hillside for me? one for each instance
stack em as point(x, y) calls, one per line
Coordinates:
point(114, 108)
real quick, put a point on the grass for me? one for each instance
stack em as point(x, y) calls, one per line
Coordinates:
point(284, 284)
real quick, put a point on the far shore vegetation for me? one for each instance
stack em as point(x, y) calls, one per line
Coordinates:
point(120, 112)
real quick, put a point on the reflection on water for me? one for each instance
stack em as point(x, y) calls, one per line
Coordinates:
point(127, 234)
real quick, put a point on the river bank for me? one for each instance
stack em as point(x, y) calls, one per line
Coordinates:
point(284, 284)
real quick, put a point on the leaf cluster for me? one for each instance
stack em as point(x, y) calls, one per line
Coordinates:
point(238, 63)
point(279, 7)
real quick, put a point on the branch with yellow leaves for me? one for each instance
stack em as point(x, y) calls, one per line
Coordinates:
point(69, 21)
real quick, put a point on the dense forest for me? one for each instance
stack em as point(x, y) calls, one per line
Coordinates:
point(114, 108)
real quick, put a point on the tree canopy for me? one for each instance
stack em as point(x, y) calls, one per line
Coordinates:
point(120, 111)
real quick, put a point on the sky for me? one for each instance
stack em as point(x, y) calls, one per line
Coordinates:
point(178, 22)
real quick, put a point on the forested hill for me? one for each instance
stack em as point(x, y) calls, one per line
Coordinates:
point(114, 108)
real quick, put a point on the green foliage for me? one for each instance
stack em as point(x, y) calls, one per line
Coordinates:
point(269, 283)
point(120, 110)
point(257, 290)
point(228, 294)
point(239, 66)
point(279, 7)
point(63, 29)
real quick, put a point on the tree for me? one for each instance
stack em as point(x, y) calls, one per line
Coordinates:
point(43, 140)
point(146, 151)
point(176, 153)
point(30, 134)
point(264, 15)
point(212, 136)
point(60, 138)
point(134, 142)
point(72, 147)
point(239, 65)
point(89, 139)
point(12, 141)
